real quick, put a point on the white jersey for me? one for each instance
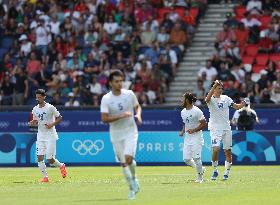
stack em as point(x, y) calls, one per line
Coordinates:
point(115, 105)
point(45, 115)
point(219, 113)
point(191, 120)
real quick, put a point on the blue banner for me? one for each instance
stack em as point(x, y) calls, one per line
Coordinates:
point(94, 148)
point(153, 120)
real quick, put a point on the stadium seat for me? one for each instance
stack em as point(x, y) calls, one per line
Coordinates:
point(261, 59)
point(274, 58)
point(251, 50)
point(248, 59)
point(7, 42)
point(258, 68)
point(240, 10)
point(265, 20)
point(162, 12)
point(180, 11)
point(194, 12)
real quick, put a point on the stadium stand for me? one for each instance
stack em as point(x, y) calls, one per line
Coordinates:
point(69, 47)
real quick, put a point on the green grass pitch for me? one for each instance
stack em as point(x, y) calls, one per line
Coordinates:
point(159, 186)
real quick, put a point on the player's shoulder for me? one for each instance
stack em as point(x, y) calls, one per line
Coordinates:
point(183, 110)
point(127, 92)
point(107, 95)
point(195, 108)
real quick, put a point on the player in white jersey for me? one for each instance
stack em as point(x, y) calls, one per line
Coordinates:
point(194, 121)
point(46, 117)
point(219, 125)
point(117, 108)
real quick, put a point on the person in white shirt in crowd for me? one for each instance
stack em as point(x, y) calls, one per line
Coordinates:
point(250, 21)
point(219, 125)
point(254, 7)
point(25, 45)
point(117, 108)
point(194, 121)
point(211, 72)
point(46, 117)
point(245, 118)
point(110, 26)
point(54, 24)
point(72, 102)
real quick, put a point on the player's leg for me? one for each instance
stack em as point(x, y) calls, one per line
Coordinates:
point(196, 150)
point(50, 155)
point(227, 145)
point(118, 147)
point(216, 136)
point(40, 152)
point(129, 153)
point(187, 155)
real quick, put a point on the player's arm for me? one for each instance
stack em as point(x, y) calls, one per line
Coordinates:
point(138, 115)
point(201, 126)
point(211, 92)
point(181, 133)
point(238, 106)
point(56, 122)
point(33, 122)
point(106, 118)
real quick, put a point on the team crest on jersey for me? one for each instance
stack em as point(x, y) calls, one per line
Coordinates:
point(188, 119)
point(220, 105)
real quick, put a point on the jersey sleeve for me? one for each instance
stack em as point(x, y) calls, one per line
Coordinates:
point(33, 114)
point(104, 107)
point(182, 116)
point(200, 115)
point(236, 115)
point(229, 102)
point(55, 112)
point(134, 99)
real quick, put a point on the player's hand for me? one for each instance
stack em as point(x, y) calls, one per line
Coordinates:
point(126, 114)
point(49, 126)
point(181, 134)
point(33, 123)
point(138, 119)
point(190, 131)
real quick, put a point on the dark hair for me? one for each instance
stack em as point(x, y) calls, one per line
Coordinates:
point(41, 92)
point(115, 73)
point(190, 97)
point(221, 83)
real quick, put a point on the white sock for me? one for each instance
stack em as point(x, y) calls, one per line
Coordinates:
point(227, 167)
point(215, 165)
point(42, 167)
point(198, 164)
point(128, 177)
point(190, 162)
point(56, 163)
point(132, 168)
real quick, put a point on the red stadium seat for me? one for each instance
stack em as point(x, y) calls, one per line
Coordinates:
point(239, 10)
point(180, 11)
point(274, 58)
point(258, 68)
point(251, 50)
point(193, 12)
point(248, 59)
point(265, 20)
point(261, 59)
point(162, 12)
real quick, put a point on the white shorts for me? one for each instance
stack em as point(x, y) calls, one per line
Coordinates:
point(224, 135)
point(47, 148)
point(125, 147)
point(192, 151)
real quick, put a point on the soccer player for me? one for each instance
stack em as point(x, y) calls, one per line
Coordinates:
point(219, 125)
point(46, 117)
point(194, 122)
point(117, 108)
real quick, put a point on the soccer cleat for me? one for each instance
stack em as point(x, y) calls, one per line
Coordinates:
point(136, 186)
point(45, 179)
point(215, 175)
point(63, 171)
point(199, 178)
point(131, 195)
point(225, 177)
point(203, 170)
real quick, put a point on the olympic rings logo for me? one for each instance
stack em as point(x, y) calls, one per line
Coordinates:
point(88, 147)
point(4, 124)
